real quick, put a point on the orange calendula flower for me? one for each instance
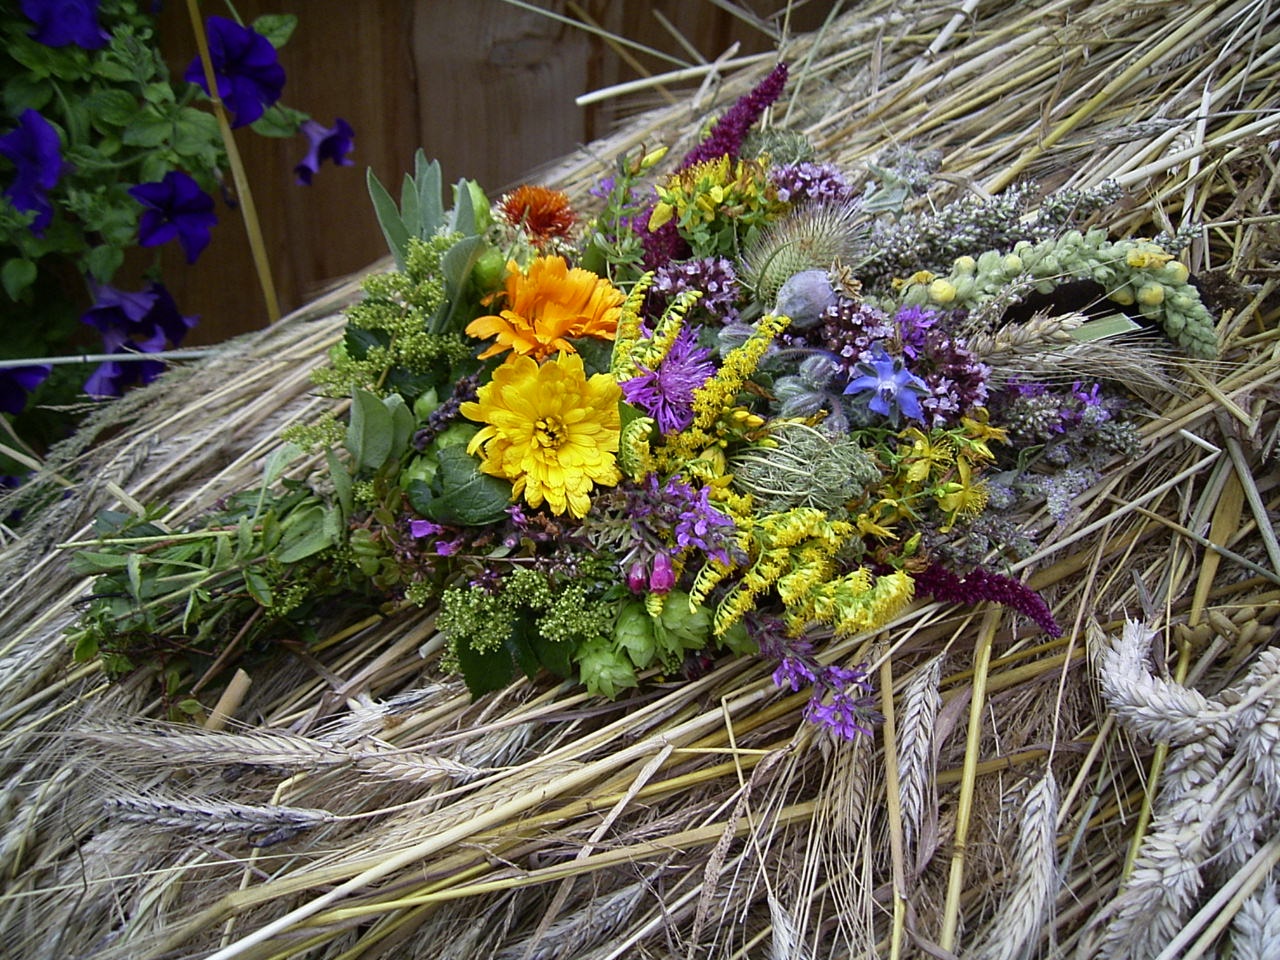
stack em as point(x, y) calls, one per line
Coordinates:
point(547, 306)
point(543, 213)
point(548, 429)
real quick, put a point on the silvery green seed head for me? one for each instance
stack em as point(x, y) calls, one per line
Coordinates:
point(805, 297)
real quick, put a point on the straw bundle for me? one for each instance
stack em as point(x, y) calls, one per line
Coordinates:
point(1112, 793)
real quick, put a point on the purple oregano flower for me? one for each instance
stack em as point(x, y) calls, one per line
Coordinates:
point(327, 143)
point(61, 23)
point(176, 207)
point(666, 394)
point(145, 321)
point(246, 67)
point(36, 153)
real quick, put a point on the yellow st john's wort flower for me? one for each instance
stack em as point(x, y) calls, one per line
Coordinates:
point(549, 430)
point(545, 307)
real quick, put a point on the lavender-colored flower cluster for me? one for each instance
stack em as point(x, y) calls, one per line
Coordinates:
point(956, 379)
point(812, 182)
point(714, 276)
point(840, 699)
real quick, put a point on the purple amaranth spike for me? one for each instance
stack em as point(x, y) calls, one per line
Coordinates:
point(981, 584)
point(730, 130)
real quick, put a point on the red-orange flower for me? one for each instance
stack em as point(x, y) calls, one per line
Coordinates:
point(545, 307)
point(543, 213)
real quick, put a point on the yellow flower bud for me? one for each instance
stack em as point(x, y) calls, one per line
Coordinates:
point(652, 157)
point(1013, 263)
point(1150, 295)
point(942, 291)
point(966, 264)
point(1122, 296)
point(662, 213)
point(1176, 272)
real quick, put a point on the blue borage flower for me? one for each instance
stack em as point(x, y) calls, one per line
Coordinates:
point(890, 389)
point(36, 153)
point(176, 208)
point(246, 68)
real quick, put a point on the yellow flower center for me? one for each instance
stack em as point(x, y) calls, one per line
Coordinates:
point(549, 433)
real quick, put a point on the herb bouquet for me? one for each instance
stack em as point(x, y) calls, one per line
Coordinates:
point(740, 410)
point(674, 567)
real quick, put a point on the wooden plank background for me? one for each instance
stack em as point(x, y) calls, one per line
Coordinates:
point(485, 86)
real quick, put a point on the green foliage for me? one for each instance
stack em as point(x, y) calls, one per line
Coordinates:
point(421, 214)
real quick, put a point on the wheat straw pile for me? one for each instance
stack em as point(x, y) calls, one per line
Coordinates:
point(1113, 793)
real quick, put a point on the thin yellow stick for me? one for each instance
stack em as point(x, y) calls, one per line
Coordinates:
point(968, 777)
point(893, 809)
point(252, 225)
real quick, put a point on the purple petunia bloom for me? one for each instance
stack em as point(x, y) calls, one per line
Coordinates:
point(176, 207)
point(36, 152)
point(61, 23)
point(145, 322)
point(327, 143)
point(666, 394)
point(894, 389)
point(245, 66)
point(17, 382)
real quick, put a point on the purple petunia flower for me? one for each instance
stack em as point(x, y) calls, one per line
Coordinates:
point(145, 321)
point(36, 152)
point(17, 382)
point(176, 207)
point(61, 23)
point(327, 143)
point(245, 66)
point(894, 389)
point(666, 394)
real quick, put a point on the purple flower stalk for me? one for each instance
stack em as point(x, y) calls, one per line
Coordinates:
point(175, 207)
point(731, 130)
point(327, 143)
point(145, 321)
point(245, 68)
point(981, 584)
point(894, 390)
point(62, 23)
point(36, 153)
point(666, 394)
point(17, 382)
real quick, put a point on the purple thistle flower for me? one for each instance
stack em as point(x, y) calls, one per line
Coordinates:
point(981, 584)
point(730, 130)
point(145, 321)
point(175, 207)
point(245, 67)
point(62, 23)
point(666, 394)
point(17, 382)
point(327, 143)
point(895, 391)
point(36, 153)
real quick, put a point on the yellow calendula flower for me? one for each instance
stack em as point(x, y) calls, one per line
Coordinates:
point(546, 306)
point(548, 429)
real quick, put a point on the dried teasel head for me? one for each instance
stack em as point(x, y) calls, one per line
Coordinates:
point(811, 237)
